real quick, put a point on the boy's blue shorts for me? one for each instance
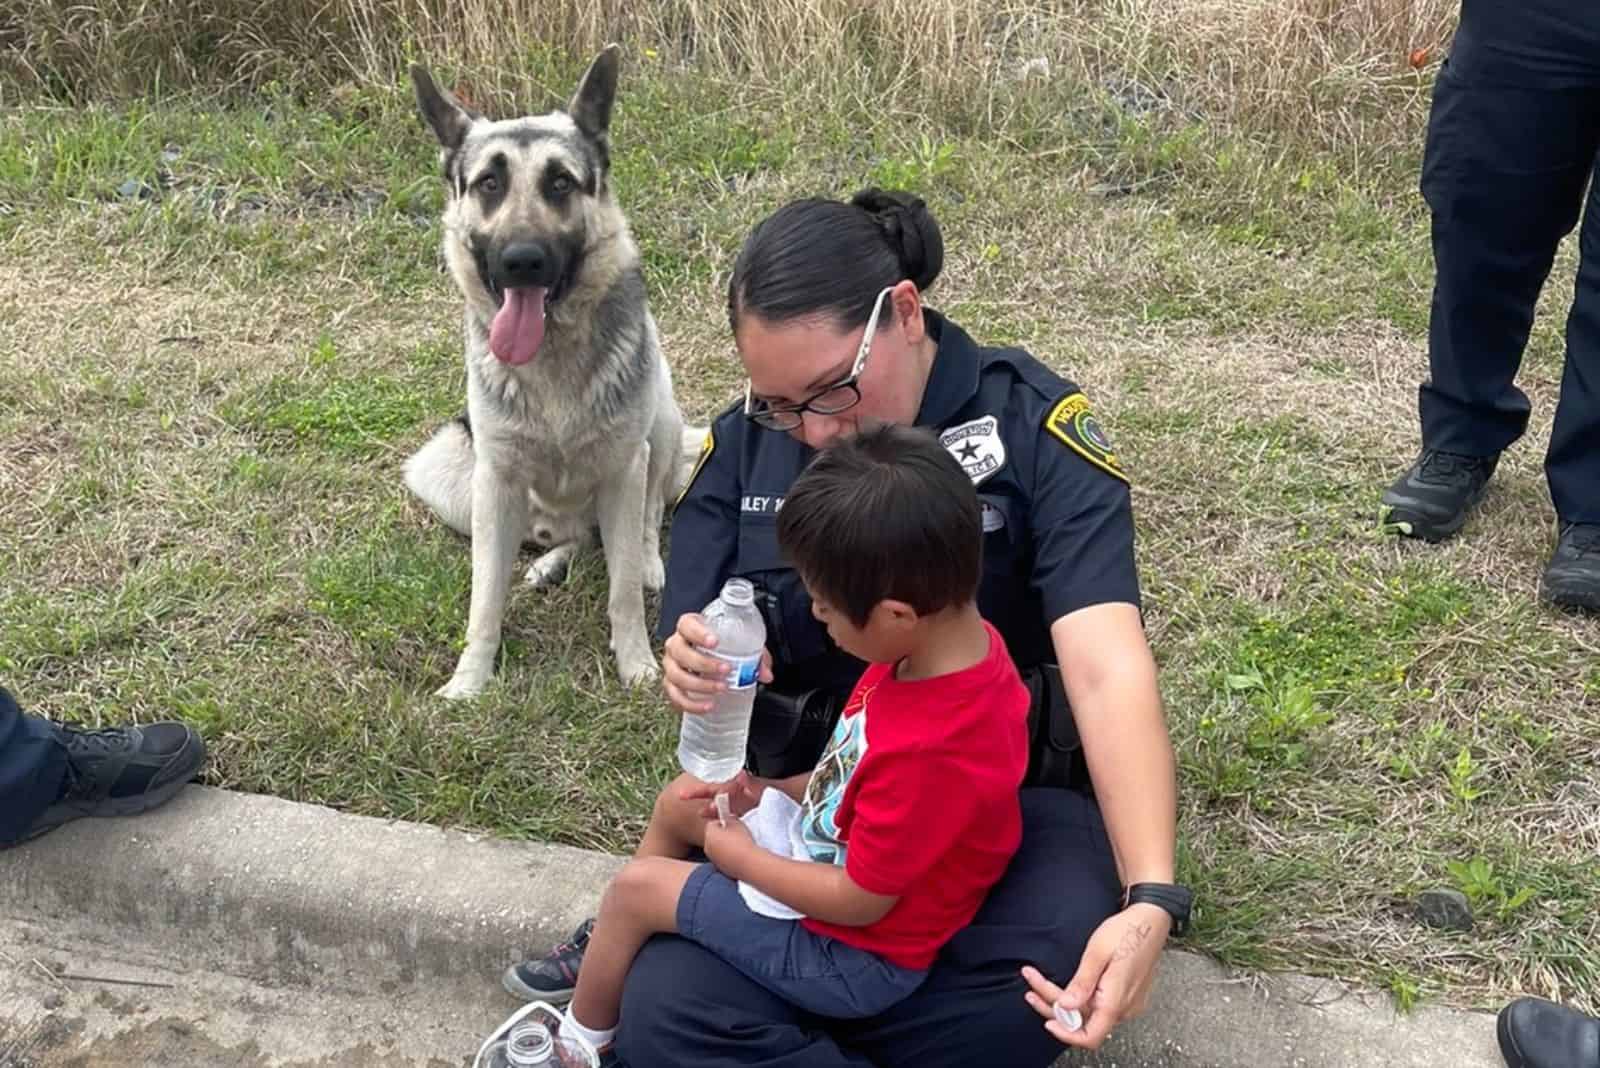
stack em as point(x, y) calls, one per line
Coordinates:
point(812, 972)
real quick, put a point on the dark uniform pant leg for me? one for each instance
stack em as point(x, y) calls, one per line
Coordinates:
point(1572, 465)
point(1511, 143)
point(32, 766)
point(684, 1008)
point(1060, 887)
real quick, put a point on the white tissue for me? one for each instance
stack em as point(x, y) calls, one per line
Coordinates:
point(774, 824)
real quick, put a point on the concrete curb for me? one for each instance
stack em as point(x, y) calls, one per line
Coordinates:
point(288, 893)
point(301, 895)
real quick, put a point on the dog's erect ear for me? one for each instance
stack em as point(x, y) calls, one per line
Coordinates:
point(591, 104)
point(443, 111)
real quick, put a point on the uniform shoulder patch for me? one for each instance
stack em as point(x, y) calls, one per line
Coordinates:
point(1071, 422)
point(707, 446)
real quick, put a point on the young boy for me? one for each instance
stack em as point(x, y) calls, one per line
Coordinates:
point(912, 813)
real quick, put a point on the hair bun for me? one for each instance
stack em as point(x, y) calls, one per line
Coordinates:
point(910, 230)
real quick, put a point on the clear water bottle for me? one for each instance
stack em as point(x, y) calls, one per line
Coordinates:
point(531, 1038)
point(711, 746)
point(528, 1045)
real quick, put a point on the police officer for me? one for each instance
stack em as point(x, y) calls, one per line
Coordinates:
point(1512, 142)
point(51, 773)
point(825, 302)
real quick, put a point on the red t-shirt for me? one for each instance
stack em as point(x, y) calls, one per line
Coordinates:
point(916, 795)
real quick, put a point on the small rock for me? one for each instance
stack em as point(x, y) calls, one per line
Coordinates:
point(171, 154)
point(133, 189)
point(54, 1002)
point(1037, 67)
point(1446, 909)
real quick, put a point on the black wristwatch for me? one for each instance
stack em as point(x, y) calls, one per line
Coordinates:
point(1175, 900)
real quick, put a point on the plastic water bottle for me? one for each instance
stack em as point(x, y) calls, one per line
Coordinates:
point(531, 1038)
point(529, 1045)
point(711, 746)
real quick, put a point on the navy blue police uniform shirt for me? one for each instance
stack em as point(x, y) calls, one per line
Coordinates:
point(1057, 518)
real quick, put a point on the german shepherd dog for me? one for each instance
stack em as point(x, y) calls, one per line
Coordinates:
point(571, 422)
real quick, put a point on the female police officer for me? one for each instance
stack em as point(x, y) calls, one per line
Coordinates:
point(826, 309)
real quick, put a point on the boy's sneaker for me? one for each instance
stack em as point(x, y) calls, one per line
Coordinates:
point(1572, 580)
point(1432, 500)
point(554, 976)
point(121, 771)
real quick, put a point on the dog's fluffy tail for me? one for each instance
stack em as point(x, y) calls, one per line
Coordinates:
point(440, 474)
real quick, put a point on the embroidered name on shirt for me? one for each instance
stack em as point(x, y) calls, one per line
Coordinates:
point(751, 504)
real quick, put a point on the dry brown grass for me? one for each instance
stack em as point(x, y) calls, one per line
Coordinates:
point(1253, 345)
point(1336, 74)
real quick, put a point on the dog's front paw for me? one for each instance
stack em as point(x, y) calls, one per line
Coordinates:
point(637, 667)
point(655, 574)
point(461, 688)
point(473, 672)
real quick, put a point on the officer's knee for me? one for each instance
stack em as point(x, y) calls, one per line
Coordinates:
point(658, 1025)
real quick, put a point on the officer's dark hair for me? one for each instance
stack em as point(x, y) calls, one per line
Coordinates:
point(886, 513)
point(831, 258)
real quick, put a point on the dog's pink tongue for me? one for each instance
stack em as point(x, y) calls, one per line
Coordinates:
point(518, 326)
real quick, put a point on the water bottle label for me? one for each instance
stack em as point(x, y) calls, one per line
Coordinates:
point(742, 670)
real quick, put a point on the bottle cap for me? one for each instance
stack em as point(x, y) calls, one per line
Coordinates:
point(1069, 1018)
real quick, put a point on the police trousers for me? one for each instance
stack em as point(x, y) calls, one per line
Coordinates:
point(32, 767)
point(1512, 143)
point(684, 1008)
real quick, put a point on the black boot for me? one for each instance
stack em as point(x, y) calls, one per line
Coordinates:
point(121, 771)
point(1573, 578)
point(1432, 500)
point(1535, 1033)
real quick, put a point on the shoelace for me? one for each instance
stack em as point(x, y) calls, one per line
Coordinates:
point(1584, 537)
point(80, 743)
point(1444, 465)
point(102, 741)
point(569, 947)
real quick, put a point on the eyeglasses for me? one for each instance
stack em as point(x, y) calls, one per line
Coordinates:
point(829, 400)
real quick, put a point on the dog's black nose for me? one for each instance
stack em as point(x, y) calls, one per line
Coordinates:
point(525, 263)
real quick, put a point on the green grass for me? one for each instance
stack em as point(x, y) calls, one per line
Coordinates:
point(208, 393)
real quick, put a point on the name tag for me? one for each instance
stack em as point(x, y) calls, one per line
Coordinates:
point(753, 504)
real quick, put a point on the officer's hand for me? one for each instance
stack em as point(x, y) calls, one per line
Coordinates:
point(1113, 980)
point(692, 678)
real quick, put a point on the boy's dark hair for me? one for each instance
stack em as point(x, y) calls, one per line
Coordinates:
point(887, 513)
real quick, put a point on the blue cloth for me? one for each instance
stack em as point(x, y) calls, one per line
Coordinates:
point(685, 1007)
point(810, 971)
point(1512, 140)
point(33, 766)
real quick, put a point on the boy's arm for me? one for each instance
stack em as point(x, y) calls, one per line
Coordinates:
point(744, 792)
point(821, 891)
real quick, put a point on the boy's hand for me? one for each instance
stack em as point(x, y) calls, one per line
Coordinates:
point(744, 793)
point(728, 847)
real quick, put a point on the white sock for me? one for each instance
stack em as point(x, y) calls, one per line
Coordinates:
point(597, 1040)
